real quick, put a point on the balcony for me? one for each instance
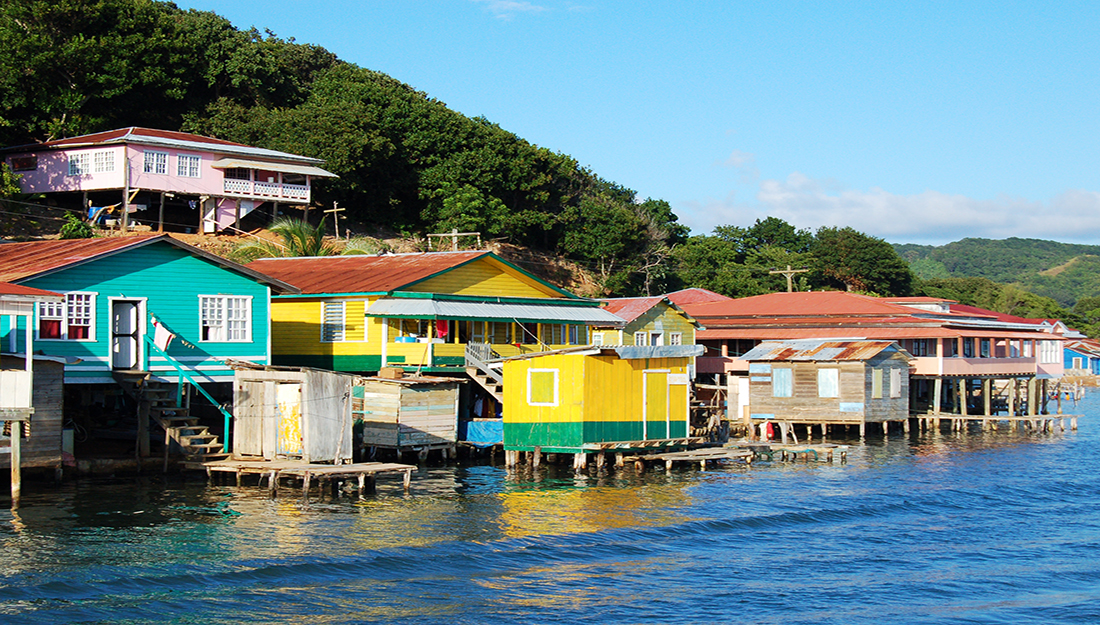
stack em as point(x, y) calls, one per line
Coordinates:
point(932, 365)
point(266, 190)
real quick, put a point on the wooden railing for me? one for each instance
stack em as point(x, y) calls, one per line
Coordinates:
point(183, 374)
point(478, 355)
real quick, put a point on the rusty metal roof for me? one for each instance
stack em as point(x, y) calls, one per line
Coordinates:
point(33, 259)
point(7, 288)
point(818, 350)
point(361, 274)
point(897, 333)
point(630, 308)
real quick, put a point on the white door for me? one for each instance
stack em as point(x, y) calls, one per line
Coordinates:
point(125, 334)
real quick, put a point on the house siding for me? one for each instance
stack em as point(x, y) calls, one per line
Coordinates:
point(171, 281)
point(484, 277)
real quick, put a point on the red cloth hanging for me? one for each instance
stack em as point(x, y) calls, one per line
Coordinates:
point(441, 328)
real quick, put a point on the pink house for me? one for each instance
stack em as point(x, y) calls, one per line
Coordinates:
point(134, 174)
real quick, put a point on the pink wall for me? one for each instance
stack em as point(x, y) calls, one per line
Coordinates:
point(53, 172)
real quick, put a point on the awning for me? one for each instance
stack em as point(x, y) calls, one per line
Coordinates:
point(287, 168)
point(492, 311)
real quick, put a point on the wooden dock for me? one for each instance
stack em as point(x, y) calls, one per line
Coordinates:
point(701, 456)
point(820, 452)
point(274, 470)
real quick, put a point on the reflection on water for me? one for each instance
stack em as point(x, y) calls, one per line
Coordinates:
point(929, 528)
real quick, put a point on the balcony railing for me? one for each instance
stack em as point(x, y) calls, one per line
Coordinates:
point(268, 190)
point(932, 365)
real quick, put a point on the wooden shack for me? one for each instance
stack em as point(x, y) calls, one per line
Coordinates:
point(584, 399)
point(41, 442)
point(407, 413)
point(292, 413)
point(823, 381)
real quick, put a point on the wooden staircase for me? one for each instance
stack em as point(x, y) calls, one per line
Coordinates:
point(196, 440)
point(479, 360)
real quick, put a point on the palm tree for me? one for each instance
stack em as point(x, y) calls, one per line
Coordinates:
point(297, 238)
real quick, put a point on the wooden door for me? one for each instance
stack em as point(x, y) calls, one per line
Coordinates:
point(655, 404)
point(288, 400)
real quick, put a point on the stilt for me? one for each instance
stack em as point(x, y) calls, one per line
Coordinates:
point(862, 429)
point(305, 488)
point(580, 461)
point(619, 460)
point(536, 458)
point(601, 458)
point(273, 483)
point(905, 426)
point(408, 480)
point(167, 446)
point(668, 466)
point(16, 462)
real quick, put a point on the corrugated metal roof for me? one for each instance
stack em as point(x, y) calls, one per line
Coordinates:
point(813, 303)
point(23, 261)
point(290, 168)
point(817, 350)
point(695, 295)
point(885, 333)
point(641, 352)
point(163, 138)
point(361, 274)
point(7, 288)
point(553, 311)
point(630, 308)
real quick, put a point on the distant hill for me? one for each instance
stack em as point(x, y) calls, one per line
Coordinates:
point(1063, 272)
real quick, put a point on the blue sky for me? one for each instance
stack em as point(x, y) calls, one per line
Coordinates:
point(915, 122)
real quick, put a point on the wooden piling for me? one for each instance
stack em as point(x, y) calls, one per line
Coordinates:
point(16, 462)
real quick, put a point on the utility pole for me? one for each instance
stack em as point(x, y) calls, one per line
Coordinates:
point(789, 273)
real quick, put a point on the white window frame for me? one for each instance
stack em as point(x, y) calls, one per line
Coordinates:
point(597, 338)
point(557, 388)
point(675, 338)
point(80, 163)
point(1049, 352)
point(155, 162)
point(640, 338)
point(337, 336)
point(656, 338)
point(785, 387)
point(221, 305)
point(895, 383)
point(828, 381)
point(186, 171)
point(103, 161)
point(66, 309)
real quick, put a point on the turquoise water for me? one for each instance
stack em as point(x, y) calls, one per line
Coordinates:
point(1000, 527)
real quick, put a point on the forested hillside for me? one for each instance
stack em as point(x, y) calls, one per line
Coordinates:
point(1063, 272)
point(404, 159)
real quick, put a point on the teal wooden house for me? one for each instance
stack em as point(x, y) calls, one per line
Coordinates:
point(123, 298)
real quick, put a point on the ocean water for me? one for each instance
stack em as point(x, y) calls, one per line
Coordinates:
point(996, 527)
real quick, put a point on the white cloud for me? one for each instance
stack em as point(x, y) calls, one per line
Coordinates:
point(508, 9)
point(931, 216)
point(745, 164)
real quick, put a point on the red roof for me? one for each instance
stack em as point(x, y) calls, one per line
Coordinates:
point(895, 333)
point(7, 288)
point(963, 309)
point(695, 295)
point(361, 274)
point(630, 308)
point(19, 261)
point(811, 303)
point(133, 131)
point(22, 261)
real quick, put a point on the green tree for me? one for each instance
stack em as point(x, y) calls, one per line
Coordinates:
point(855, 261)
point(297, 238)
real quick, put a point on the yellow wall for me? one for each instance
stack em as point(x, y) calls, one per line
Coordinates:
point(591, 388)
point(296, 328)
point(485, 277)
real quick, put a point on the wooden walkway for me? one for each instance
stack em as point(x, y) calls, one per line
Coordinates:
point(820, 452)
point(274, 470)
point(702, 456)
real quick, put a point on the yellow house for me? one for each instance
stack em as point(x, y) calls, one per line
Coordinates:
point(419, 311)
point(649, 321)
point(581, 400)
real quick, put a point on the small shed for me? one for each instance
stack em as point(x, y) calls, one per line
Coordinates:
point(828, 381)
point(41, 443)
point(292, 412)
point(575, 400)
point(407, 413)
